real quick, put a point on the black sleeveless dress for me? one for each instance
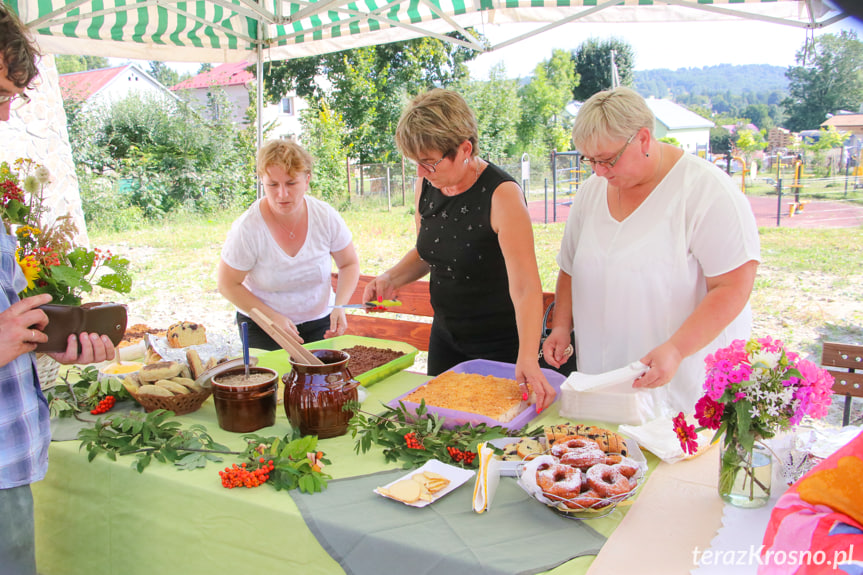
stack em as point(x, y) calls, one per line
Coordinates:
point(468, 281)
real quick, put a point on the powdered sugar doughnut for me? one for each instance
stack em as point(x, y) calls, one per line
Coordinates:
point(586, 500)
point(557, 480)
point(607, 481)
point(564, 445)
point(583, 457)
point(627, 467)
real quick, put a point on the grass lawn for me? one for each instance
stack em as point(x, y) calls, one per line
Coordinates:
point(809, 287)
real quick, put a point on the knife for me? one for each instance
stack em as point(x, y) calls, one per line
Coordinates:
point(370, 304)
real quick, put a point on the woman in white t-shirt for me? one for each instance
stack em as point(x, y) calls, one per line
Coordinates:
point(658, 257)
point(278, 255)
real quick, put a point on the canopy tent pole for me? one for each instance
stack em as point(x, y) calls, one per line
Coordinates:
point(259, 99)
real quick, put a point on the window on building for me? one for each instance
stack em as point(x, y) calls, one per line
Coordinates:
point(288, 106)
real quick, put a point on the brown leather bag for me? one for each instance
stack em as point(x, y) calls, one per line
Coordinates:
point(96, 317)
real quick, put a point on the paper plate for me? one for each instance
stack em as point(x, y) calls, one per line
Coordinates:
point(456, 475)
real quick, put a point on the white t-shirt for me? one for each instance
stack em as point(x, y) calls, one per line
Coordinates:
point(634, 282)
point(299, 286)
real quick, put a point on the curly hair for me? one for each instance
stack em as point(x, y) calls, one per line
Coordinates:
point(18, 51)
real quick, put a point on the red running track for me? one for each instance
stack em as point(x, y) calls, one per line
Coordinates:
point(816, 213)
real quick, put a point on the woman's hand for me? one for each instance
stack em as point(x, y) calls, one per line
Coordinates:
point(95, 348)
point(20, 326)
point(338, 323)
point(530, 372)
point(288, 326)
point(663, 362)
point(381, 287)
point(556, 349)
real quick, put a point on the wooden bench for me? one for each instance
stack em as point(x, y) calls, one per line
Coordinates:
point(848, 379)
point(415, 304)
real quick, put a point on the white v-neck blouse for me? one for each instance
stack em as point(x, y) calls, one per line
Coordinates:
point(298, 286)
point(634, 282)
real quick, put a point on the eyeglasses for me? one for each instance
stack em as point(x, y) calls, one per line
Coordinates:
point(608, 164)
point(17, 100)
point(432, 167)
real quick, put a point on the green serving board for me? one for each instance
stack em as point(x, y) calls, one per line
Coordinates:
point(278, 359)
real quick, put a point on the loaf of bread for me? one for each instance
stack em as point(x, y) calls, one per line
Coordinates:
point(186, 333)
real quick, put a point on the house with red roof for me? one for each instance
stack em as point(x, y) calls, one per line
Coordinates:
point(107, 85)
point(238, 86)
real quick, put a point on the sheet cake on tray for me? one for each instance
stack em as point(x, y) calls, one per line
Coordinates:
point(482, 367)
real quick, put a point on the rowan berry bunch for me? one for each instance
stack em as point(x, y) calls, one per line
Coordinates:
point(416, 436)
point(412, 442)
point(105, 405)
point(459, 455)
point(245, 475)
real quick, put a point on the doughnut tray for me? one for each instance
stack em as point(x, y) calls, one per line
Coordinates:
point(527, 481)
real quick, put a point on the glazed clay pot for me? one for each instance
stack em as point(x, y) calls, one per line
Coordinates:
point(245, 408)
point(315, 394)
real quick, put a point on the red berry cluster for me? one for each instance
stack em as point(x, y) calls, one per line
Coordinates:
point(459, 455)
point(104, 405)
point(105, 256)
point(11, 191)
point(240, 476)
point(412, 441)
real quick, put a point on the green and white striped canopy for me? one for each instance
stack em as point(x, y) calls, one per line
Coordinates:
point(233, 30)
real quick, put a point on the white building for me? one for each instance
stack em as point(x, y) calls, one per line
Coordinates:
point(237, 84)
point(674, 121)
point(109, 85)
point(690, 130)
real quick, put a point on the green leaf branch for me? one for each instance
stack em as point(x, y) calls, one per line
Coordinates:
point(428, 438)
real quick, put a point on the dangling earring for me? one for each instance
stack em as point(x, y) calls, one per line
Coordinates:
point(465, 161)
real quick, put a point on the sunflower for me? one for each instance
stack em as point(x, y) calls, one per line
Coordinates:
point(30, 266)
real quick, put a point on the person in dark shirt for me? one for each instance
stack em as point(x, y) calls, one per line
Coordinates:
point(475, 239)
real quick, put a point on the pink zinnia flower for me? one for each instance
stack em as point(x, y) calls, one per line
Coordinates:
point(685, 434)
point(709, 412)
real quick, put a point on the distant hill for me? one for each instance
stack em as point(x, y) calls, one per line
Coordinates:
point(724, 78)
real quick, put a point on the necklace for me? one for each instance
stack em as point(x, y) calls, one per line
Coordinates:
point(281, 225)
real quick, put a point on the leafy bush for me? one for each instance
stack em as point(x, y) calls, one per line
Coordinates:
point(169, 156)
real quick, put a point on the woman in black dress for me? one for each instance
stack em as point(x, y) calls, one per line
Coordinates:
point(475, 239)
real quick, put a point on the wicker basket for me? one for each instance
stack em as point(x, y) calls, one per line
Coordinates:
point(180, 404)
point(48, 369)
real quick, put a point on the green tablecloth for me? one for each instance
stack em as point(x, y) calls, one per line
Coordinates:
point(104, 518)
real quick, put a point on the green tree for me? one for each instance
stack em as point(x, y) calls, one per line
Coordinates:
point(720, 140)
point(166, 75)
point(759, 114)
point(68, 64)
point(828, 78)
point(170, 157)
point(322, 130)
point(593, 66)
point(497, 107)
point(370, 86)
point(828, 139)
point(749, 142)
point(544, 124)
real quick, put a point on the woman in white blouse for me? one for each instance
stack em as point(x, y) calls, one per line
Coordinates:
point(658, 257)
point(279, 253)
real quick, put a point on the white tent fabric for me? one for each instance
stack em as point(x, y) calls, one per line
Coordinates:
point(237, 30)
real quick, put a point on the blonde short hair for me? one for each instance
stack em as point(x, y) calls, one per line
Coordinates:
point(436, 120)
point(286, 154)
point(611, 115)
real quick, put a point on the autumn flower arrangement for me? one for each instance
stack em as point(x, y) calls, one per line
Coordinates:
point(753, 389)
point(51, 261)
